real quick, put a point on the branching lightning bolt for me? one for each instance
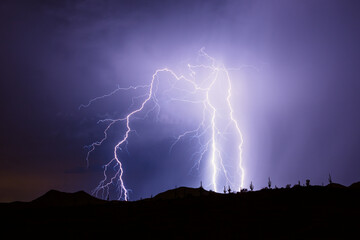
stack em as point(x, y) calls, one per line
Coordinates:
point(208, 133)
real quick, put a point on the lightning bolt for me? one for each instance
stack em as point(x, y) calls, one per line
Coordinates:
point(209, 133)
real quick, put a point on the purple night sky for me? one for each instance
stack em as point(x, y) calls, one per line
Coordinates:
point(297, 101)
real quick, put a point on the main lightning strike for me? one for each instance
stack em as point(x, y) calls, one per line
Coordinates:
point(209, 112)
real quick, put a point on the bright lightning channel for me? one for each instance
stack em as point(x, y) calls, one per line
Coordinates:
point(208, 127)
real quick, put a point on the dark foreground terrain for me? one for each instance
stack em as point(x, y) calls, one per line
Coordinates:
point(314, 212)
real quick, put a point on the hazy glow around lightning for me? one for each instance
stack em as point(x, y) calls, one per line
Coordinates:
point(208, 86)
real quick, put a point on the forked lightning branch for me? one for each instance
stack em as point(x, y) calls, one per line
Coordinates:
point(216, 123)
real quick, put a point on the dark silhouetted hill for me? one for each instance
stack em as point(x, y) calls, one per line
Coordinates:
point(335, 185)
point(184, 192)
point(57, 198)
point(355, 185)
point(312, 212)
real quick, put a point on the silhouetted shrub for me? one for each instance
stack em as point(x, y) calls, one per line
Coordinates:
point(243, 190)
point(307, 182)
point(288, 186)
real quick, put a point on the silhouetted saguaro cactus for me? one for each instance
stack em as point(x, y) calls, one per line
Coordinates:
point(269, 182)
point(330, 180)
point(229, 189)
point(251, 186)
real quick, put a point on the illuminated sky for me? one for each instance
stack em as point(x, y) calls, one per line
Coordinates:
point(296, 100)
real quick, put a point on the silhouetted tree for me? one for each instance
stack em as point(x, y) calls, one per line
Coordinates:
point(251, 186)
point(269, 182)
point(299, 182)
point(108, 197)
point(330, 180)
point(224, 190)
point(229, 190)
point(307, 182)
point(288, 186)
